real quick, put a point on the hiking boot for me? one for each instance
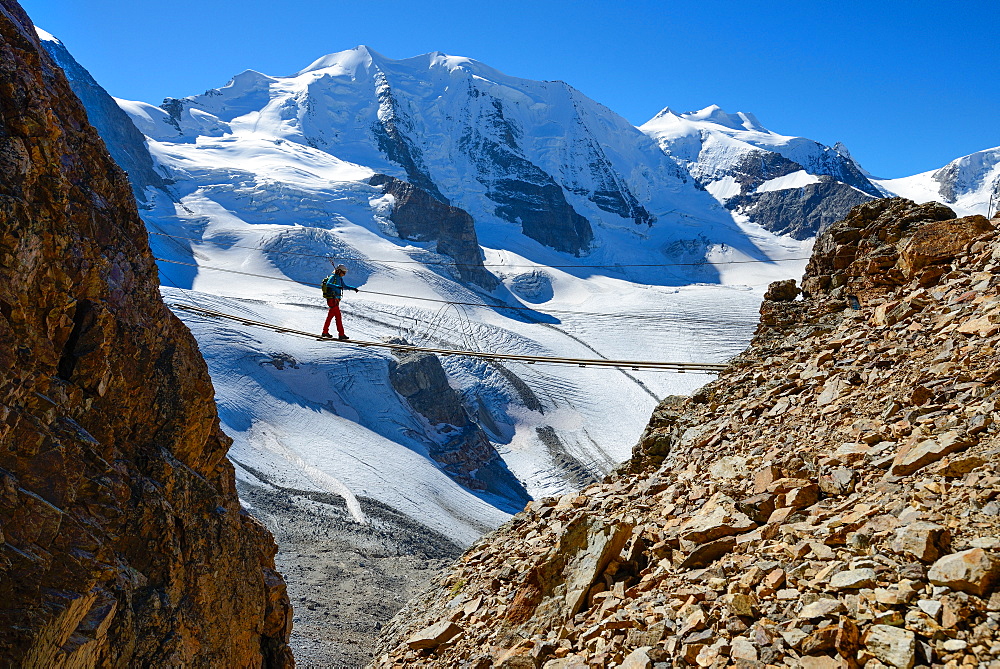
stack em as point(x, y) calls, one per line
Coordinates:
point(326, 335)
point(344, 338)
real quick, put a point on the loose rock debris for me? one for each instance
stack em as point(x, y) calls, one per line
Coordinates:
point(832, 500)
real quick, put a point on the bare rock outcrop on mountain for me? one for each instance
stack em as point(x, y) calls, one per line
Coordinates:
point(420, 217)
point(800, 212)
point(463, 450)
point(122, 540)
point(804, 211)
point(832, 500)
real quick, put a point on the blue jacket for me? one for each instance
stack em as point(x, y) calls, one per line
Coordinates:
point(334, 286)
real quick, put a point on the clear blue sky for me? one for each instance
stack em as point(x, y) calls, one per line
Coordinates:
point(907, 85)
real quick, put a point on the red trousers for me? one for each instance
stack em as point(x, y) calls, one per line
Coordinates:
point(334, 312)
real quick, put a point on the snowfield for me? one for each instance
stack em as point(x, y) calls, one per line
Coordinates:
point(320, 415)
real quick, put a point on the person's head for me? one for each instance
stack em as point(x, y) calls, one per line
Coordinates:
point(341, 270)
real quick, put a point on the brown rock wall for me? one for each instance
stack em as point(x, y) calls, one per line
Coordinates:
point(883, 244)
point(122, 541)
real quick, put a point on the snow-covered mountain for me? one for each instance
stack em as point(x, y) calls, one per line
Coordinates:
point(547, 201)
point(538, 156)
point(789, 185)
point(967, 184)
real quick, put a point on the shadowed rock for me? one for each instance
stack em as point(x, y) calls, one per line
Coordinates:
point(461, 447)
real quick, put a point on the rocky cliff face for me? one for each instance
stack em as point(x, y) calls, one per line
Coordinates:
point(969, 184)
point(974, 173)
point(524, 193)
point(462, 449)
point(800, 212)
point(832, 500)
point(123, 542)
point(420, 217)
point(391, 131)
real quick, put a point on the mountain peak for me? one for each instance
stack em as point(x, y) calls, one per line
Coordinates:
point(664, 113)
point(715, 114)
point(248, 79)
point(345, 62)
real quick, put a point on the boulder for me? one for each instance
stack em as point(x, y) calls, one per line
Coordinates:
point(740, 604)
point(913, 457)
point(801, 498)
point(572, 662)
point(840, 481)
point(974, 571)
point(820, 640)
point(764, 477)
point(560, 586)
point(822, 662)
point(833, 389)
point(892, 645)
point(853, 579)
point(743, 649)
point(821, 608)
point(718, 518)
point(705, 554)
point(983, 326)
point(728, 467)
point(891, 313)
point(434, 635)
point(782, 291)
point(922, 540)
point(941, 241)
point(758, 508)
point(637, 659)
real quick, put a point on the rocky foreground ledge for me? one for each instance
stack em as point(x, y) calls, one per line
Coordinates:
point(832, 500)
point(122, 540)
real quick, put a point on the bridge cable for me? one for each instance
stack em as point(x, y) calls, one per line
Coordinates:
point(703, 263)
point(679, 367)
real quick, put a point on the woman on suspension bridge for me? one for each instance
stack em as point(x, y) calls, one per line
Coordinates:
point(333, 290)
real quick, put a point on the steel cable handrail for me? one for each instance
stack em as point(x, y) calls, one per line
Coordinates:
point(679, 367)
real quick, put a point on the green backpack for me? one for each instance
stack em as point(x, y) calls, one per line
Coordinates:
point(330, 288)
